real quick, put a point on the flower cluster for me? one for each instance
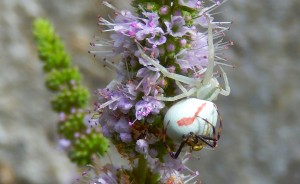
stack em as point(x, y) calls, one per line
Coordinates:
point(168, 171)
point(130, 108)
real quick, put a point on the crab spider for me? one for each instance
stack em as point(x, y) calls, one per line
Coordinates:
point(207, 89)
point(192, 122)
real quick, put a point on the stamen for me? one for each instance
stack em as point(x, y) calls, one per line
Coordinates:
point(108, 103)
point(132, 123)
point(105, 3)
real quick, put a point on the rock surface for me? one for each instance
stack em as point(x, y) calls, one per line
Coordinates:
point(259, 142)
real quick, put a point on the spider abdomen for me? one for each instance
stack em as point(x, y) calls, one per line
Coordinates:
point(190, 115)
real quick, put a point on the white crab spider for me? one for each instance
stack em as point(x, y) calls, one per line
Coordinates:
point(192, 122)
point(207, 89)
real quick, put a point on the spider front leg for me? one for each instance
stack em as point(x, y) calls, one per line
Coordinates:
point(211, 54)
point(210, 91)
point(165, 72)
point(225, 91)
point(177, 97)
point(206, 92)
point(214, 88)
point(208, 77)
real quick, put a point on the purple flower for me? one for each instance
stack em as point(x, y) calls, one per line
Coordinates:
point(149, 26)
point(62, 117)
point(154, 52)
point(126, 137)
point(171, 176)
point(149, 80)
point(143, 109)
point(155, 104)
point(127, 24)
point(121, 45)
point(176, 27)
point(131, 89)
point(121, 102)
point(176, 164)
point(196, 56)
point(153, 153)
point(164, 10)
point(157, 38)
point(107, 176)
point(115, 97)
point(122, 126)
point(108, 121)
point(202, 20)
point(148, 106)
point(124, 23)
point(142, 146)
point(90, 121)
point(190, 3)
point(152, 20)
point(170, 47)
point(173, 169)
point(64, 143)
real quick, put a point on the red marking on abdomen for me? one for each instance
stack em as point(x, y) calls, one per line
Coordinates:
point(190, 120)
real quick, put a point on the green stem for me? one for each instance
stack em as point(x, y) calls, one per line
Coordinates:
point(141, 170)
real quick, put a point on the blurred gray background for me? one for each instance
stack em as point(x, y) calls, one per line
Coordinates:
point(261, 135)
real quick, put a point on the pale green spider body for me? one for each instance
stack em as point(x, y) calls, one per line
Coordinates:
point(206, 89)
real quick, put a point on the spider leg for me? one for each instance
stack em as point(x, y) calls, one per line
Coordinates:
point(211, 54)
point(215, 91)
point(225, 92)
point(165, 72)
point(209, 141)
point(178, 97)
point(220, 124)
point(216, 137)
point(181, 87)
point(207, 92)
point(213, 95)
point(174, 155)
point(205, 140)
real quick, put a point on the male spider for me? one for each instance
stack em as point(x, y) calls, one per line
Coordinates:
point(192, 122)
point(207, 89)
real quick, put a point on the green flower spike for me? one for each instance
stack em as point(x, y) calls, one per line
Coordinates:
point(71, 98)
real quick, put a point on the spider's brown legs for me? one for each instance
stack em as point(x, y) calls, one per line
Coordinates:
point(175, 156)
point(212, 145)
point(218, 135)
point(205, 138)
point(220, 124)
